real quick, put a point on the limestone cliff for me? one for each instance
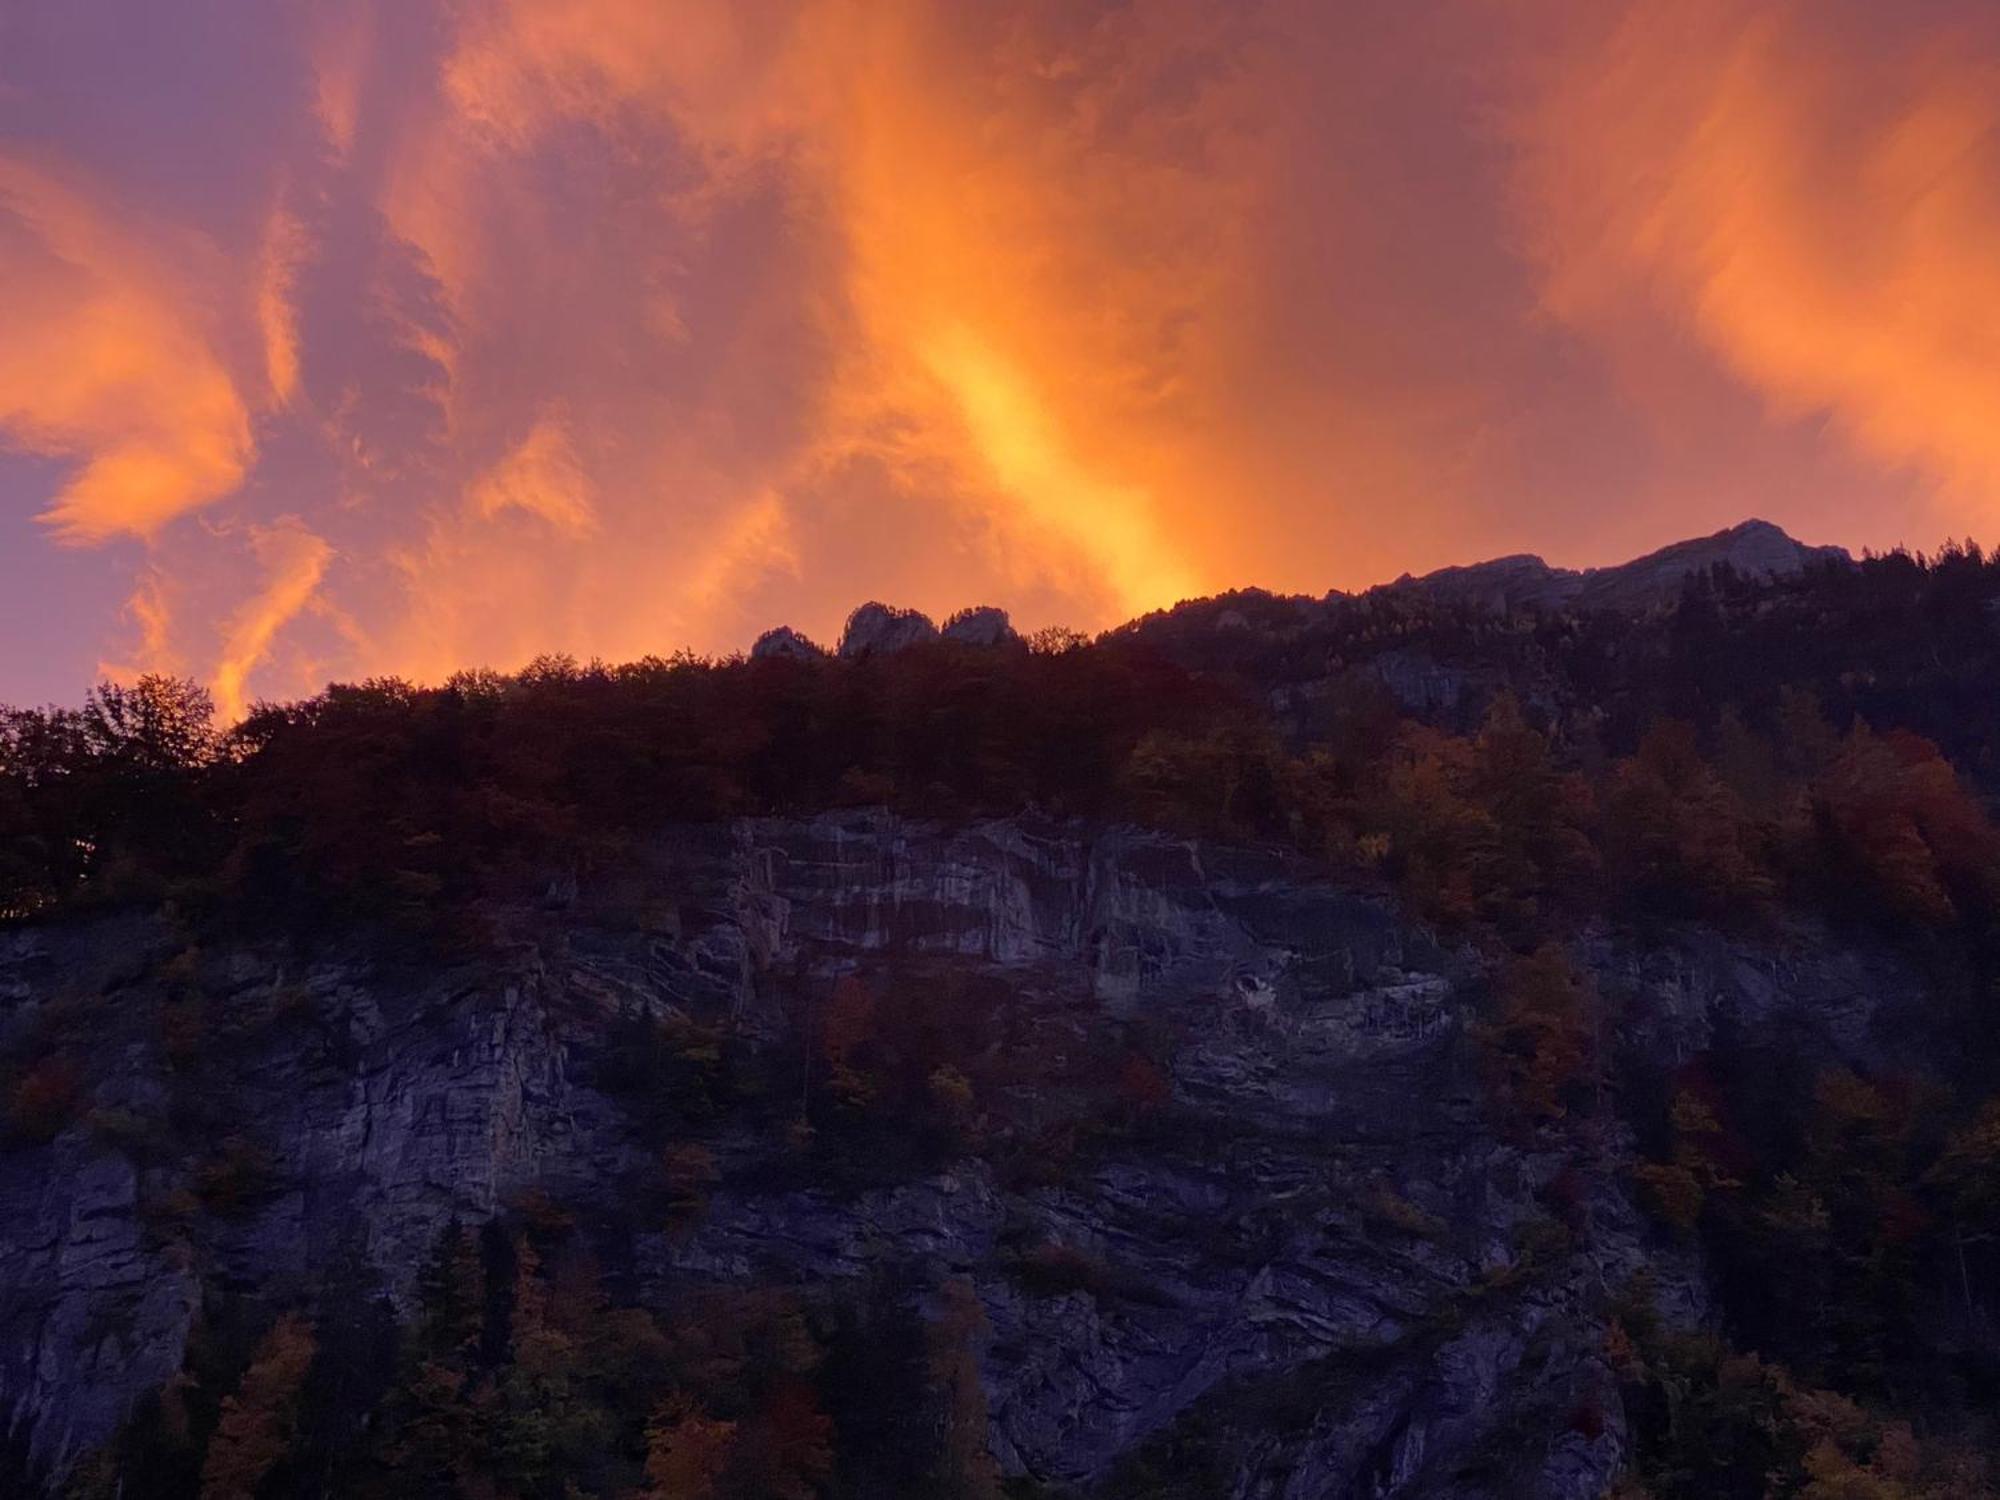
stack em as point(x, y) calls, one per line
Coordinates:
point(1319, 1267)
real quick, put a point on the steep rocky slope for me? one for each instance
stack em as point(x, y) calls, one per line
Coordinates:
point(1313, 1265)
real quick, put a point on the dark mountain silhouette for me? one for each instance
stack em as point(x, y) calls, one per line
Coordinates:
point(1751, 549)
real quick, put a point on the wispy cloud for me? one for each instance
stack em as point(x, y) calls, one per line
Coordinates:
point(1813, 189)
point(105, 363)
point(541, 477)
point(294, 563)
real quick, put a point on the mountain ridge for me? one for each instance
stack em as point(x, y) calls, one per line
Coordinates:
point(1754, 548)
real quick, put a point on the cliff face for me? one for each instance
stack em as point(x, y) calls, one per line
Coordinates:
point(1318, 1269)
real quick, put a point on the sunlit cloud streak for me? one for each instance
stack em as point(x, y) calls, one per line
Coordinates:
point(541, 477)
point(294, 561)
point(105, 362)
point(1819, 196)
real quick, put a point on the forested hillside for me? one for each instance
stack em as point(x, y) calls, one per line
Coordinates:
point(1607, 992)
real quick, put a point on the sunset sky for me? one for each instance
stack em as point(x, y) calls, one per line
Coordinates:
point(344, 339)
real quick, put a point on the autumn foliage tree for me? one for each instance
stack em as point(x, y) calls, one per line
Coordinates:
point(1890, 816)
point(1489, 829)
point(1676, 836)
point(108, 796)
point(1541, 1045)
point(965, 1467)
point(687, 1451)
point(259, 1420)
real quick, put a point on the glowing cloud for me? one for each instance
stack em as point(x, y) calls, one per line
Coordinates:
point(339, 66)
point(542, 478)
point(294, 561)
point(103, 363)
point(1817, 190)
point(151, 612)
point(1108, 526)
point(754, 542)
point(283, 254)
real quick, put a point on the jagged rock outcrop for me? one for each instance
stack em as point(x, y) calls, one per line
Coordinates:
point(981, 625)
point(784, 641)
point(878, 629)
point(1325, 1222)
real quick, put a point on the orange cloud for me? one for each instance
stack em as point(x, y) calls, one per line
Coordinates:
point(1106, 524)
point(150, 610)
point(753, 542)
point(280, 259)
point(1814, 192)
point(540, 477)
point(1017, 273)
point(295, 561)
point(105, 362)
point(339, 67)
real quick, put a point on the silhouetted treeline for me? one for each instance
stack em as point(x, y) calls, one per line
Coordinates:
point(382, 799)
point(1760, 743)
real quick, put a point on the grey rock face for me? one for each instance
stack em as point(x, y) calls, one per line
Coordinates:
point(982, 625)
point(878, 629)
point(1756, 549)
point(106, 1315)
point(786, 642)
point(1321, 1220)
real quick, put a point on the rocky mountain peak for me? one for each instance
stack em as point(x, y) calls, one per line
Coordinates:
point(877, 629)
point(786, 642)
point(981, 625)
point(1755, 548)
